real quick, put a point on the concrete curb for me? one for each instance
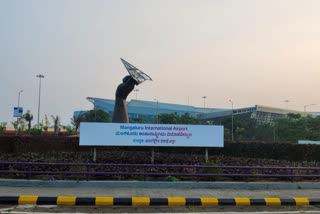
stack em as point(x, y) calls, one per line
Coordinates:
point(147, 201)
point(154, 184)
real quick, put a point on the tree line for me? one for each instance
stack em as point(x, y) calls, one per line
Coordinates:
point(292, 128)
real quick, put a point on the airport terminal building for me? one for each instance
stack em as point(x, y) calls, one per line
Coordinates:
point(150, 109)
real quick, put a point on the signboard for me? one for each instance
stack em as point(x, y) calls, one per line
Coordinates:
point(125, 134)
point(17, 111)
point(308, 142)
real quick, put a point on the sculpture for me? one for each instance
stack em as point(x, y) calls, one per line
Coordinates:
point(120, 113)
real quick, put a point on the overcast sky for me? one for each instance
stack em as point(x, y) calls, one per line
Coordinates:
point(249, 51)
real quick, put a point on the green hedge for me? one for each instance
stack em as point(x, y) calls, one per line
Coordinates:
point(277, 151)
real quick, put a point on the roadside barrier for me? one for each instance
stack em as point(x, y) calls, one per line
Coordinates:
point(157, 170)
point(147, 201)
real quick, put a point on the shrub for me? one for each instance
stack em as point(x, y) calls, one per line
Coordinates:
point(171, 178)
point(35, 131)
point(212, 170)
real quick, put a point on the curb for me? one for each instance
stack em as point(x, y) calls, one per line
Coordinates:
point(147, 201)
point(159, 184)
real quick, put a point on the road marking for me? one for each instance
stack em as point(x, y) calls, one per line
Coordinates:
point(66, 200)
point(28, 199)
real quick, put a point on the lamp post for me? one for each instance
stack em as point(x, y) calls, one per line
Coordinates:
point(231, 120)
point(136, 90)
point(19, 101)
point(204, 101)
point(157, 109)
point(305, 108)
point(287, 104)
point(40, 76)
point(19, 98)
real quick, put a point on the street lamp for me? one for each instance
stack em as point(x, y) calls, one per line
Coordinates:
point(19, 101)
point(40, 76)
point(305, 108)
point(19, 98)
point(157, 109)
point(136, 90)
point(231, 120)
point(287, 104)
point(204, 101)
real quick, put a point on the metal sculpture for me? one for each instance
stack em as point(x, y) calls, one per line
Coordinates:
point(120, 113)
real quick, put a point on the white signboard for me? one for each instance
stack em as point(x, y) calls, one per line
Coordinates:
point(308, 142)
point(125, 134)
point(17, 111)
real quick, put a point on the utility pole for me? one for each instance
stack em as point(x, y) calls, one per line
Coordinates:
point(40, 76)
point(231, 120)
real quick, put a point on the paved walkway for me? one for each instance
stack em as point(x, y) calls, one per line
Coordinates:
point(157, 192)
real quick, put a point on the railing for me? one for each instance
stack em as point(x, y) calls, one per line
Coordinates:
point(157, 170)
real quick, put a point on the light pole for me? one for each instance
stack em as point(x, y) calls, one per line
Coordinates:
point(231, 120)
point(204, 101)
point(287, 104)
point(19, 98)
point(157, 109)
point(136, 90)
point(305, 108)
point(40, 76)
point(19, 101)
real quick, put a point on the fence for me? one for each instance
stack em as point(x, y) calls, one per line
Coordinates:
point(155, 170)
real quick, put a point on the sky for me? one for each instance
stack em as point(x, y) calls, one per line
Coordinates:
point(252, 52)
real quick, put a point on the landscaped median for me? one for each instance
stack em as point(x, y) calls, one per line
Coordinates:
point(147, 201)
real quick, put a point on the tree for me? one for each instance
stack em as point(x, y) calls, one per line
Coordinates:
point(186, 118)
point(18, 125)
point(295, 127)
point(28, 117)
point(3, 126)
point(96, 115)
point(168, 118)
point(174, 118)
point(76, 120)
point(137, 120)
point(56, 124)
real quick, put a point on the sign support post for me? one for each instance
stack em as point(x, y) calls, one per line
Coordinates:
point(152, 155)
point(94, 154)
point(206, 155)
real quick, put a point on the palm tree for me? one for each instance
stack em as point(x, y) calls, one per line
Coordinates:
point(28, 117)
point(76, 120)
point(18, 125)
point(3, 126)
point(56, 122)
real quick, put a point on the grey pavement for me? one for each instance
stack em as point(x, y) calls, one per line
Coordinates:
point(160, 189)
point(156, 192)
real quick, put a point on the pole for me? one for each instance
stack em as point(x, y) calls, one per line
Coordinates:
point(204, 101)
point(19, 98)
point(152, 155)
point(19, 101)
point(287, 104)
point(305, 108)
point(94, 154)
point(136, 90)
point(206, 156)
point(157, 113)
point(40, 76)
point(231, 120)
